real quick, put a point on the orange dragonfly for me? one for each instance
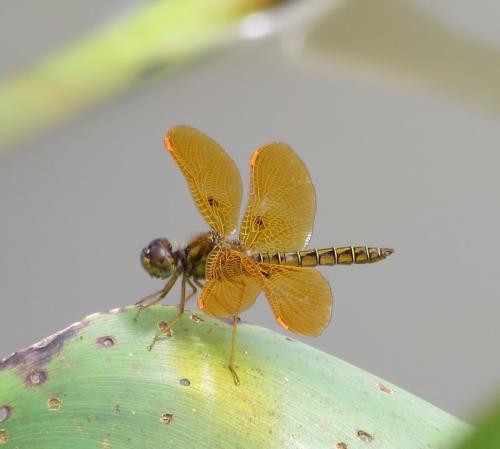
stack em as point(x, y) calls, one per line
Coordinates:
point(268, 254)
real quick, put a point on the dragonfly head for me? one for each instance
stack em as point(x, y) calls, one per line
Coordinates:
point(158, 259)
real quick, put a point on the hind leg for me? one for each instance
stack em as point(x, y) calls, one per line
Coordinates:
point(232, 368)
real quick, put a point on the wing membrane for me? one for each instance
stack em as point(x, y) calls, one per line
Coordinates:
point(212, 176)
point(282, 201)
point(301, 298)
point(232, 283)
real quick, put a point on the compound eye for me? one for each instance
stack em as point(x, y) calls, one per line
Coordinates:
point(157, 258)
point(157, 253)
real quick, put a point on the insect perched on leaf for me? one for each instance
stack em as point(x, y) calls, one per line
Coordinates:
point(268, 254)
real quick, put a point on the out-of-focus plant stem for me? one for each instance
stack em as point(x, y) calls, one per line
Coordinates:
point(160, 34)
point(487, 435)
point(399, 42)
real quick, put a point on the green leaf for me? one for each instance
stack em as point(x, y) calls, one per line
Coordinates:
point(95, 385)
point(488, 434)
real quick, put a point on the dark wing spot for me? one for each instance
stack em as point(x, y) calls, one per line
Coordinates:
point(259, 222)
point(213, 202)
point(265, 273)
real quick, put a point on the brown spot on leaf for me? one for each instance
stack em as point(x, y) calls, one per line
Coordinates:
point(384, 388)
point(166, 418)
point(165, 329)
point(5, 412)
point(185, 382)
point(341, 446)
point(35, 378)
point(28, 361)
point(3, 436)
point(106, 341)
point(54, 403)
point(196, 318)
point(364, 436)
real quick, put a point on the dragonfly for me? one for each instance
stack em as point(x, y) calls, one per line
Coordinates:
point(269, 253)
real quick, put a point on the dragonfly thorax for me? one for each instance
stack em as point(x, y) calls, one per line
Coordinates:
point(158, 258)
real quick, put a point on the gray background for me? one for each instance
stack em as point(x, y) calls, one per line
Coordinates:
point(391, 167)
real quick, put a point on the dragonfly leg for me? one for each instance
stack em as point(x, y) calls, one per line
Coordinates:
point(236, 379)
point(163, 330)
point(155, 297)
point(182, 304)
point(198, 283)
point(164, 327)
point(193, 288)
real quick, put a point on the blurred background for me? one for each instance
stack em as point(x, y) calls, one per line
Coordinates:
point(394, 105)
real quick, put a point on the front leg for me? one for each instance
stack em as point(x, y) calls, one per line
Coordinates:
point(164, 327)
point(184, 299)
point(157, 296)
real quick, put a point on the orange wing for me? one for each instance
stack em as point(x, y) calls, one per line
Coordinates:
point(212, 176)
point(301, 298)
point(232, 283)
point(282, 202)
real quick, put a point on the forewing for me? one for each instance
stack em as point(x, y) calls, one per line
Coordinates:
point(282, 201)
point(233, 282)
point(301, 298)
point(212, 176)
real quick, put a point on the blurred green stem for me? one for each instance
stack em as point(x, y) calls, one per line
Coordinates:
point(160, 34)
point(405, 43)
point(487, 435)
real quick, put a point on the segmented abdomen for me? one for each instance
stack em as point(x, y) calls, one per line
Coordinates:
point(345, 255)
